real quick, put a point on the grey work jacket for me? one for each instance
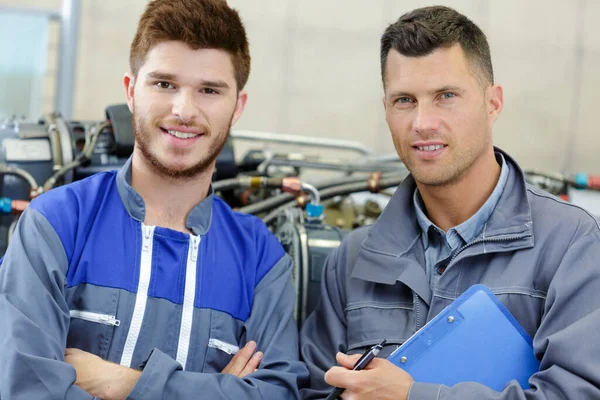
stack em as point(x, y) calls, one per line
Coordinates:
point(84, 271)
point(538, 254)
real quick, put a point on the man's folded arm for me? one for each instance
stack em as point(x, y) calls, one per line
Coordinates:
point(271, 325)
point(35, 315)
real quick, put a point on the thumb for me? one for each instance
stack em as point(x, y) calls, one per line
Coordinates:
point(347, 361)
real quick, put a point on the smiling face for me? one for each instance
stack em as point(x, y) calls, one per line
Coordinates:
point(184, 102)
point(439, 114)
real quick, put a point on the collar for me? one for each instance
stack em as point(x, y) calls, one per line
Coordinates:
point(389, 252)
point(469, 229)
point(198, 220)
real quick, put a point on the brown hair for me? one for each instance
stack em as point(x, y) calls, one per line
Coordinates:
point(424, 30)
point(201, 24)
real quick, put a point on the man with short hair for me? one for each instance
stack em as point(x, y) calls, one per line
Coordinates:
point(464, 216)
point(143, 284)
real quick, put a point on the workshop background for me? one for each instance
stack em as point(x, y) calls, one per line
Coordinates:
point(315, 69)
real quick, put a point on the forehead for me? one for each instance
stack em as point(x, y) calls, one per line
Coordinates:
point(442, 67)
point(179, 59)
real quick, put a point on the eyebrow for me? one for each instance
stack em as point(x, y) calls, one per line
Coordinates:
point(219, 84)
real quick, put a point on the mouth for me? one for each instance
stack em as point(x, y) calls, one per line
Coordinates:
point(181, 135)
point(430, 148)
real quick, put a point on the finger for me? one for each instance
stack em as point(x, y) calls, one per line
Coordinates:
point(348, 395)
point(378, 363)
point(70, 350)
point(347, 361)
point(239, 361)
point(343, 378)
point(252, 364)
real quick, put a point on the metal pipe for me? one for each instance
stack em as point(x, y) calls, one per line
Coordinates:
point(275, 201)
point(309, 141)
point(383, 158)
point(333, 166)
point(86, 154)
point(21, 173)
point(340, 190)
point(315, 198)
point(69, 32)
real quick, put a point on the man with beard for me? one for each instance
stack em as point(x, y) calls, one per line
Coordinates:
point(464, 216)
point(141, 283)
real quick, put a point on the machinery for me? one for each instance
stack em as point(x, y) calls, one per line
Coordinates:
point(309, 219)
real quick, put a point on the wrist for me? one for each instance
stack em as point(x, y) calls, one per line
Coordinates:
point(119, 382)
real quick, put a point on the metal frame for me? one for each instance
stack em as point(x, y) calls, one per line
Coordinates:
point(309, 141)
point(69, 17)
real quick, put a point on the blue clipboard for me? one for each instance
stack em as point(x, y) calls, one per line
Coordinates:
point(474, 339)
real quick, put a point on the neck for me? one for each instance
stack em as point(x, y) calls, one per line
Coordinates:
point(168, 201)
point(452, 204)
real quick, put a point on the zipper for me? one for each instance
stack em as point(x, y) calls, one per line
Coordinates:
point(223, 346)
point(195, 242)
point(141, 296)
point(103, 319)
point(147, 232)
point(506, 238)
point(416, 306)
point(189, 297)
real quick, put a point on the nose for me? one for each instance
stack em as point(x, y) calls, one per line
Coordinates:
point(184, 106)
point(426, 119)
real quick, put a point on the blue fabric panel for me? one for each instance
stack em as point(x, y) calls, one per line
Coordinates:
point(169, 260)
point(235, 254)
point(103, 246)
point(97, 231)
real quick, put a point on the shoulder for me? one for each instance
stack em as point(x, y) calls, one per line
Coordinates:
point(249, 234)
point(71, 208)
point(552, 214)
point(251, 227)
point(72, 197)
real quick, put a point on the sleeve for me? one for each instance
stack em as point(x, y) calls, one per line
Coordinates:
point(271, 324)
point(566, 339)
point(35, 315)
point(323, 333)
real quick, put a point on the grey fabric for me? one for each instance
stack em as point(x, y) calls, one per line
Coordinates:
point(35, 304)
point(35, 331)
point(198, 220)
point(439, 245)
point(35, 316)
point(538, 254)
point(271, 325)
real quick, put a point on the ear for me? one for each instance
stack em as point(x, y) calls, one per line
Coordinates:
point(495, 102)
point(240, 106)
point(129, 82)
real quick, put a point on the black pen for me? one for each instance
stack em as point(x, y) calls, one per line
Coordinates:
point(362, 362)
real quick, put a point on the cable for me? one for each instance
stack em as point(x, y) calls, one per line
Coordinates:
point(340, 190)
point(84, 156)
point(21, 173)
point(275, 201)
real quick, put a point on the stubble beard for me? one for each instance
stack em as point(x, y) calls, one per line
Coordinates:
point(142, 141)
point(452, 171)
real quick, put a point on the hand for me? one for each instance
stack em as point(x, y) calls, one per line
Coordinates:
point(380, 380)
point(244, 362)
point(101, 378)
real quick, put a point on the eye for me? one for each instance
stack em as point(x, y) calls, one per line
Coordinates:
point(404, 100)
point(164, 85)
point(448, 96)
point(209, 91)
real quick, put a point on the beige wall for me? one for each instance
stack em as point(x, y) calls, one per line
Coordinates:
point(315, 69)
